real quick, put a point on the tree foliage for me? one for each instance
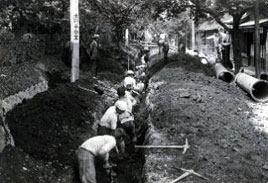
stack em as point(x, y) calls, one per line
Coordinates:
point(32, 15)
point(119, 13)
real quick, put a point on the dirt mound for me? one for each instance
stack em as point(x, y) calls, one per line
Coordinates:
point(53, 124)
point(17, 78)
point(214, 117)
point(18, 166)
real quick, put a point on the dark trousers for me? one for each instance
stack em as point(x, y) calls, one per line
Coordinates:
point(226, 57)
point(102, 130)
point(94, 67)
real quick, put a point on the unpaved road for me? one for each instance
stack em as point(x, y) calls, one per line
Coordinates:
point(227, 131)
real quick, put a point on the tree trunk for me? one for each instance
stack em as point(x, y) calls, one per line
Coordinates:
point(237, 44)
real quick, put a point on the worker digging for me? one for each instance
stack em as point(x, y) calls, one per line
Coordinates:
point(136, 91)
point(116, 126)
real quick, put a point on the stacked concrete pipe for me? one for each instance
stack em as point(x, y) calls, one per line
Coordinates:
point(258, 89)
point(222, 73)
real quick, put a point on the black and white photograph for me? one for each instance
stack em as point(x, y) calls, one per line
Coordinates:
point(133, 91)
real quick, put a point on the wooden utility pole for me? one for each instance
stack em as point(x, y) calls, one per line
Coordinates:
point(193, 34)
point(257, 41)
point(74, 23)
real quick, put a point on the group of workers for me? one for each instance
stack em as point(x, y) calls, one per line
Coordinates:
point(115, 129)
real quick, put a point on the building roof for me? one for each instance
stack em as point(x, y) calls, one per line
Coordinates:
point(213, 25)
point(251, 23)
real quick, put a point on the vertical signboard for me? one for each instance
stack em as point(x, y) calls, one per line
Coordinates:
point(74, 23)
point(126, 37)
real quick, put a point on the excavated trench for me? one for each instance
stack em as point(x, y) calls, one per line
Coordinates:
point(131, 169)
point(49, 132)
point(48, 128)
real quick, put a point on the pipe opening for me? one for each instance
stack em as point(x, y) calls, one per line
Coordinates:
point(260, 91)
point(226, 76)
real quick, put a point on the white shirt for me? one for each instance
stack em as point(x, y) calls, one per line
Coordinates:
point(128, 102)
point(129, 81)
point(109, 119)
point(125, 117)
point(98, 144)
point(140, 87)
point(225, 38)
point(131, 98)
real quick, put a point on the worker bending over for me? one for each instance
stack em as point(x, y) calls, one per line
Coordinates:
point(98, 146)
point(108, 122)
point(121, 92)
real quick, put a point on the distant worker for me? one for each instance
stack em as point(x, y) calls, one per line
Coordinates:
point(130, 84)
point(129, 81)
point(146, 54)
point(217, 44)
point(226, 45)
point(165, 49)
point(159, 43)
point(98, 146)
point(146, 58)
point(94, 54)
point(121, 92)
point(140, 85)
point(216, 37)
point(108, 122)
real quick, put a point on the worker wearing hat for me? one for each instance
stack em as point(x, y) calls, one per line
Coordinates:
point(129, 81)
point(94, 54)
point(130, 84)
point(108, 122)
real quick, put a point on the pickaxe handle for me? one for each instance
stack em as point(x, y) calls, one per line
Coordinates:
point(181, 177)
point(193, 172)
point(160, 146)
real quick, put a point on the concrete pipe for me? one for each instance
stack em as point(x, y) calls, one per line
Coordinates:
point(258, 89)
point(222, 73)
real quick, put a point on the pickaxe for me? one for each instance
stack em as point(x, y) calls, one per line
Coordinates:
point(184, 147)
point(98, 93)
point(187, 173)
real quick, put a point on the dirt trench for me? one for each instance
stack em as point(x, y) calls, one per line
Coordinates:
point(48, 128)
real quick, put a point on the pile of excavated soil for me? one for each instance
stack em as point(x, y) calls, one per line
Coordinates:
point(48, 129)
point(215, 118)
point(54, 123)
point(18, 78)
point(18, 166)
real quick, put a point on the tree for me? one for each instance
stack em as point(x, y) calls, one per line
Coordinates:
point(119, 13)
point(33, 16)
point(216, 9)
point(235, 8)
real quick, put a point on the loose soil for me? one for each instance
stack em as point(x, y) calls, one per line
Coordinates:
point(227, 138)
point(48, 129)
point(226, 143)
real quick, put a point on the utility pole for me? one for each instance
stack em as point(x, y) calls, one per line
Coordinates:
point(193, 34)
point(74, 23)
point(257, 41)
